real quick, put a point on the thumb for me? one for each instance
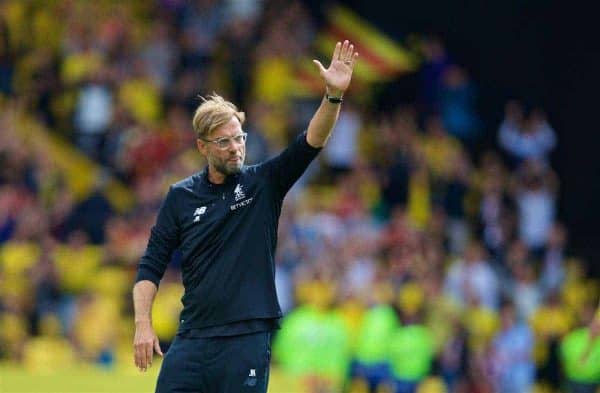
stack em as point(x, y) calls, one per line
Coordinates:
point(321, 68)
point(157, 347)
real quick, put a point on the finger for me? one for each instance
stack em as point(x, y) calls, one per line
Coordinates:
point(321, 68)
point(344, 51)
point(354, 57)
point(140, 358)
point(350, 53)
point(149, 354)
point(157, 347)
point(136, 358)
point(336, 51)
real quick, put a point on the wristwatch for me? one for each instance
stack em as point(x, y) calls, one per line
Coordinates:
point(334, 100)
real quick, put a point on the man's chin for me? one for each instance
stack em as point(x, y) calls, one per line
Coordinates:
point(234, 169)
point(230, 168)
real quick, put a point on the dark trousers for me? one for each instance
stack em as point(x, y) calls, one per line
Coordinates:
point(581, 387)
point(217, 365)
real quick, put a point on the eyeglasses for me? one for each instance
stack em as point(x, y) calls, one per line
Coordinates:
point(225, 142)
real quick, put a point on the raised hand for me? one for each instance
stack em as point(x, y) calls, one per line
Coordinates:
point(337, 77)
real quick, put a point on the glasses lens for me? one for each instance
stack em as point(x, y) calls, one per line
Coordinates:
point(223, 143)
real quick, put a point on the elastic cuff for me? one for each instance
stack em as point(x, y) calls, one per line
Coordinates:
point(147, 274)
point(306, 145)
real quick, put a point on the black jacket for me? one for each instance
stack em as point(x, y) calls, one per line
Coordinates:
point(227, 234)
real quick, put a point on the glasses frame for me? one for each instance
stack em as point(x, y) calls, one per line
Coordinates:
point(228, 140)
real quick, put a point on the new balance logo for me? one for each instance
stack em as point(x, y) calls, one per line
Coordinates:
point(199, 211)
point(251, 380)
point(238, 192)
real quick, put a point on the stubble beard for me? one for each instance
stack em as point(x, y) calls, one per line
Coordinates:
point(227, 168)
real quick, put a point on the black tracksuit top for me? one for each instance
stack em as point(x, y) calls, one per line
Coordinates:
point(227, 234)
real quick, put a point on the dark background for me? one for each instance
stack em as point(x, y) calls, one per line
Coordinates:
point(541, 52)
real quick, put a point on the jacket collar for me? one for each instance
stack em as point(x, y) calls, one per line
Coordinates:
point(231, 179)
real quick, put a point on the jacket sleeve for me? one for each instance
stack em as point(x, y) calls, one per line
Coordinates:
point(287, 167)
point(164, 239)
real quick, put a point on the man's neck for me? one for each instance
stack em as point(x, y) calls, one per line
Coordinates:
point(215, 177)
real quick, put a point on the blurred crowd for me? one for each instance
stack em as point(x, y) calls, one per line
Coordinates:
point(407, 260)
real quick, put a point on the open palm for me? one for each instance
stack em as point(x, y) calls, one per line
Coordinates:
point(337, 77)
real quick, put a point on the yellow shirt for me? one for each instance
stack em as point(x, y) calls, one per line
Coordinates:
point(482, 324)
point(96, 326)
point(166, 309)
point(77, 267)
point(440, 153)
point(273, 77)
point(352, 312)
point(81, 65)
point(419, 201)
point(142, 99)
point(549, 322)
point(17, 257)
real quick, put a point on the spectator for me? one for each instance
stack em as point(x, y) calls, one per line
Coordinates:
point(457, 106)
point(93, 114)
point(201, 24)
point(6, 59)
point(523, 139)
point(582, 372)
point(435, 63)
point(524, 290)
point(550, 323)
point(472, 276)
point(494, 209)
point(160, 56)
point(411, 348)
point(457, 186)
point(342, 153)
point(370, 366)
point(535, 196)
point(512, 354)
point(553, 270)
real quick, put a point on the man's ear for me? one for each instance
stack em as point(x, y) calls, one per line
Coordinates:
point(202, 146)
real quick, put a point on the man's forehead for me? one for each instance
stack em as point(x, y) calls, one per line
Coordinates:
point(231, 128)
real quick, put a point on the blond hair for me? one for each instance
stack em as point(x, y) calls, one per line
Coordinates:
point(213, 113)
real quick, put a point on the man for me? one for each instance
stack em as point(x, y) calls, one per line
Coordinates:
point(512, 362)
point(595, 325)
point(593, 333)
point(224, 222)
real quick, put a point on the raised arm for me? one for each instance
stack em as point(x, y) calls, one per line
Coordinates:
point(337, 79)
